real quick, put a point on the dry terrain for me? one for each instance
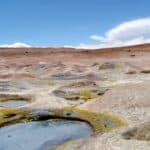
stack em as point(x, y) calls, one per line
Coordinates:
point(113, 81)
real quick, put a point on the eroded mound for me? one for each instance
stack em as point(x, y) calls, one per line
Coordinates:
point(141, 132)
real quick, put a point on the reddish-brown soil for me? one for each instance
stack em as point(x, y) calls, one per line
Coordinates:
point(28, 56)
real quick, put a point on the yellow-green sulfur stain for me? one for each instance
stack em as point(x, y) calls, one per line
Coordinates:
point(85, 94)
point(11, 116)
point(5, 98)
point(62, 146)
point(99, 121)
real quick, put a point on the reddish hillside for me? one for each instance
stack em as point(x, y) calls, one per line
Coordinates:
point(28, 56)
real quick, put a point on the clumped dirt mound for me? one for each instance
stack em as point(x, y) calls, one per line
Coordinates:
point(81, 84)
point(108, 65)
point(141, 132)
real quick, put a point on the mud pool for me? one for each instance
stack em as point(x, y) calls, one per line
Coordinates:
point(13, 104)
point(41, 135)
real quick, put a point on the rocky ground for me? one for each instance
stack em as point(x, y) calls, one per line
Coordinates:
point(105, 82)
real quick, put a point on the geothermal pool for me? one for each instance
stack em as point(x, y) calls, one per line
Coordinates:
point(13, 104)
point(41, 135)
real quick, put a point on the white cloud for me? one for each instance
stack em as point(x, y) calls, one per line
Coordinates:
point(68, 46)
point(130, 30)
point(98, 38)
point(127, 33)
point(15, 45)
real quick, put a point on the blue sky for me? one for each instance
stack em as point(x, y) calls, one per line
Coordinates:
point(66, 22)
